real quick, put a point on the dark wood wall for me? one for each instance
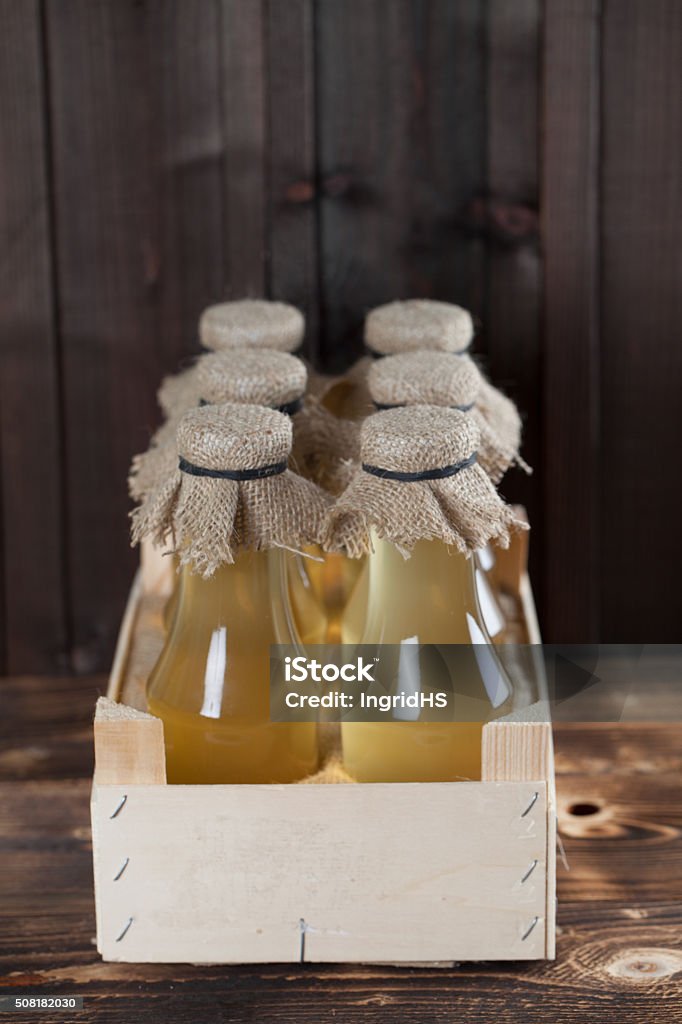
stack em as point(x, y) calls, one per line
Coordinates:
point(517, 156)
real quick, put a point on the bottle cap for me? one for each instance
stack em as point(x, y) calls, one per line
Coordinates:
point(418, 324)
point(419, 480)
point(251, 323)
point(267, 377)
point(230, 490)
point(435, 378)
point(418, 439)
point(431, 378)
point(232, 438)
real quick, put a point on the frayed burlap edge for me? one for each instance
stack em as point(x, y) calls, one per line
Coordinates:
point(176, 395)
point(206, 522)
point(464, 511)
point(326, 449)
point(500, 424)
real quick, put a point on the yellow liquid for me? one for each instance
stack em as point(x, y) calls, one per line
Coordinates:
point(348, 400)
point(210, 685)
point(170, 609)
point(488, 592)
point(306, 598)
point(353, 624)
point(429, 598)
point(319, 587)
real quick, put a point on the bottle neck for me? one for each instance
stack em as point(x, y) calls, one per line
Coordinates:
point(253, 588)
point(431, 595)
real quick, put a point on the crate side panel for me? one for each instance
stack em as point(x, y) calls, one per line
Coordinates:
point(329, 873)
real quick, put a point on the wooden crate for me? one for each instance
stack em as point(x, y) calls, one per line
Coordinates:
point(421, 873)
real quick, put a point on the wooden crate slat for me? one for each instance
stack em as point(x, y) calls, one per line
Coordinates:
point(129, 746)
point(640, 316)
point(350, 873)
point(33, 626)
point(570, 228)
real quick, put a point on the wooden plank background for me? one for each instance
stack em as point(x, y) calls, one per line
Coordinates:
point(520, 158)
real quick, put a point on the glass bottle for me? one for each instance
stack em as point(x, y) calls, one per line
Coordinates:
point(419, 496)
point(441, 379)
point(235, 512)
point(331, 576)
point(263, 377)
point(428, 599)
point(321, 584)
point(354, 611)
point(488, 597)
point(210, 685)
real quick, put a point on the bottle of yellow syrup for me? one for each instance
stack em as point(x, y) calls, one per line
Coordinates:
point(418, 508)
point(234, 514)
point(277, 380)
point(436, 378)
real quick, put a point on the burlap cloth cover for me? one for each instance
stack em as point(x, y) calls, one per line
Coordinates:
point(253, 377)
point(251, 323)
point(176, 396)
point(395, 327)
point(264, 377)
point(457, 505)
point(208, 507)
point(326, 448)
point(177, 392)
point(414, 324)
point(245, 323)
point(436, 378)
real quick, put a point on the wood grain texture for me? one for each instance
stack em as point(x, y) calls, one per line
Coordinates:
point(618, 958)
point(239, 874)
point(400, 158)
point(46, 727)
point(641, 314)
point(362, 158)
point(570, 234)
point(129, 746)
point(521, 158)
point(292, 184)
point(137, 191)
point(244, 126)
point(619, 789)
point(510, 220)
point(33, 605)
point(517, 751)
point(185, 258)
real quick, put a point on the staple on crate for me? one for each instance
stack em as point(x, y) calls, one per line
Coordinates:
point(119, 806)
point(529, 872)
point(125, 930)
point(531, 805)
point(122, 868)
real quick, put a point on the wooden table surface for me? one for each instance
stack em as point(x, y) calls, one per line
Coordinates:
point(619, 952)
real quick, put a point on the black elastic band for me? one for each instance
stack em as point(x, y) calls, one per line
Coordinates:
point(382, 355)
point(289, 408)
point(427, 474)
point(381, 407)
point(292, 407)
point(258, 473)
